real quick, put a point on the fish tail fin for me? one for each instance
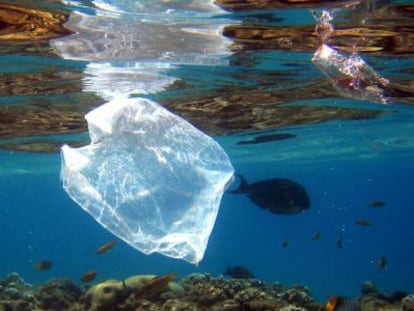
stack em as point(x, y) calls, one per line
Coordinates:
point(337, 303)
point(243, 187)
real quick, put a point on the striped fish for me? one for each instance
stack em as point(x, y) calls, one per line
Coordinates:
point(337, 303)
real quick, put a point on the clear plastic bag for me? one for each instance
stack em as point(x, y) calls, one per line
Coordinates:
point(149, 177)
point(351, 75)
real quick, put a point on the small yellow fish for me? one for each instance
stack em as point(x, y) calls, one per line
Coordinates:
point(362, 222)
point(88, 276)
point(105, 248)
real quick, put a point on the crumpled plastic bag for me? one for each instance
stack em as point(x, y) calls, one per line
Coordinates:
point(149, 177)
point(351, 75)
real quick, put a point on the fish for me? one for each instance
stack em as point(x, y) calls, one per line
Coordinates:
point(49, 287)
point(43, 265)
point(239, 272)
point(154, 286)
point(105, 248)
point(377, 204)
point(266, 138)
point(340, 243)
point(338, 303)
point(382, 262)
point(276, 195)
point(363, 222)
point(316, 235)
point(88, 276)
point(285, 243)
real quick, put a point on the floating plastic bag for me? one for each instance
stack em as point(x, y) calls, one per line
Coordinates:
point(351, 75)
point(149, 177)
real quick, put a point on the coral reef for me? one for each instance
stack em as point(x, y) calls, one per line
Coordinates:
point(131, 293)
point(407, 304)
point(16, 294)
point(57, 294)
point(193, 292)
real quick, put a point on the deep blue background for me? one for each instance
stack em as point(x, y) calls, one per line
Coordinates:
point(343, 165)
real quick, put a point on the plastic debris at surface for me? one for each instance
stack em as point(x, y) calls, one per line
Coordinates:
point(350, 75)
point(149, 177)
point(130, 46)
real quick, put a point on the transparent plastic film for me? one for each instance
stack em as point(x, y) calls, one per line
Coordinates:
point(349, 74)
point(149, 177)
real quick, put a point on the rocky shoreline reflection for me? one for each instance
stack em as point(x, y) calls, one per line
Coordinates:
point(39, 100)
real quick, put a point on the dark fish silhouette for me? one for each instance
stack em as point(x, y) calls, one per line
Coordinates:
point(377, 204)
point(88, 276)
point(277, 195)
point(340, 243)
point(285, 243)
point(316, 235)
point(266, 138)
point(105, 248)
point(382, 262)
point(363, 222)
point(239, 272)
point(43, 265)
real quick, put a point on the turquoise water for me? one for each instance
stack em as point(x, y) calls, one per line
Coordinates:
point(344, 165)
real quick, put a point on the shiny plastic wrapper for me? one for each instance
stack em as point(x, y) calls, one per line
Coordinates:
point(351, 75)
point(149, 177)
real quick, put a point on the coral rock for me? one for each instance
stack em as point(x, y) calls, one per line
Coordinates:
point(105, 295)
point(129, 294)
point(407, 304)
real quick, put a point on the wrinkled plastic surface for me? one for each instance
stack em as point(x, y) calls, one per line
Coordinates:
point(351, 75)
point(176, 31)
point(131, 46)
point(149, 177)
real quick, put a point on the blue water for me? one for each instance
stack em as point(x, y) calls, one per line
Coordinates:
point(343, 165)
point(39, 221)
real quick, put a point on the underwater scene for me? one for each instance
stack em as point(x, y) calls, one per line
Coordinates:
point(206, 155)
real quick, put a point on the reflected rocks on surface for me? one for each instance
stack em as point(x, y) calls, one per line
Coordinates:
point(386, 30)
point(240, 5)
point(226, 114)
point(43, 96)
point(24, 23)
point(24, 122)
point(239, 112)
point(378, 40)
